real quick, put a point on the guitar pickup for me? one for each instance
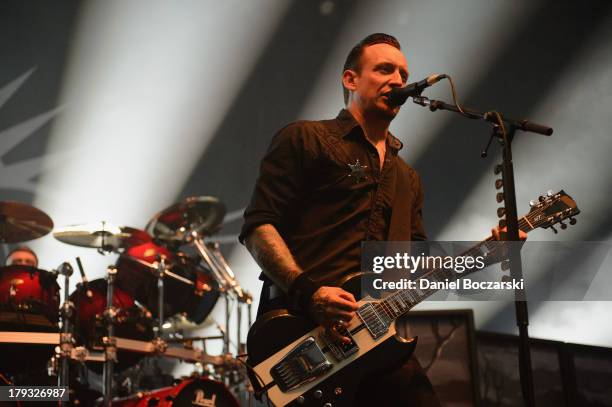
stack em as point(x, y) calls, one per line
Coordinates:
point(375, 324)
point(303, 364)
point(339, 349)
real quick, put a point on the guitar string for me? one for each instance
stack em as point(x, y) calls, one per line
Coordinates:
point(391, 313)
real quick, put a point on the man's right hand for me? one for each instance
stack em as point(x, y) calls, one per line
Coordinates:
point(331, 306)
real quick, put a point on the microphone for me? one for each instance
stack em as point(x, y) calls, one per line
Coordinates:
point(398, 96)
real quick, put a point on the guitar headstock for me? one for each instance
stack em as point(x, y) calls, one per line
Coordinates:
point(551, 209)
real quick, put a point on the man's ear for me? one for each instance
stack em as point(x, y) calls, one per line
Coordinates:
point(349, 79)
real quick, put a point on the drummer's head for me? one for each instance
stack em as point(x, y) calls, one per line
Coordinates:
point(22, 256)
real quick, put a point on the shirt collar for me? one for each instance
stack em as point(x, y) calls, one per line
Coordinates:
point(347, 123)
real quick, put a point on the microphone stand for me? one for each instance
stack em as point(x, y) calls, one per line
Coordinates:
point(511, 222)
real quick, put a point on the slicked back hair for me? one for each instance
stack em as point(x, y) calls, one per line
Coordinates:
point(353, 60)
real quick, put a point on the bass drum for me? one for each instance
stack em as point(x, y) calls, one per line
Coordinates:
point(29, 302)
point(137, 275)
point(132, 322)
point(188, 393)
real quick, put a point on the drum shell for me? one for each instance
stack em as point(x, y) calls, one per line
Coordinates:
point(33, 291)
point(131, 322)
point(195, 301)
point(33, 307)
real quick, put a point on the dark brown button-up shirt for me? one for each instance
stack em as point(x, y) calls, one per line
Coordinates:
point(321, 186)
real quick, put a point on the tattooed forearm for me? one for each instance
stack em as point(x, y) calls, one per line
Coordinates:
point(273, 256)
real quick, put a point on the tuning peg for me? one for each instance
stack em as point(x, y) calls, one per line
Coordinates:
point(502, 223)
point(573, 221)
point(563, 225)
point(501, 212)
point(541, 198)
point(499, 183)
point(550, 192)
point(499, 197)
point(497, 169)
point(554, 230)
point(532, 203)
point(505, 265)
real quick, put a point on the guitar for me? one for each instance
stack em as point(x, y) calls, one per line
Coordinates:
point(296, 364)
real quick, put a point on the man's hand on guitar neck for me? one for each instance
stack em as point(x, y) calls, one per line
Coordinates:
point(332, 306)
point(500, 234)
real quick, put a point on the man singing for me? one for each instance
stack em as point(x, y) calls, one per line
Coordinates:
point(325, 187)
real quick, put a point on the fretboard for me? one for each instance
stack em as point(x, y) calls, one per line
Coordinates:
point(401, 301)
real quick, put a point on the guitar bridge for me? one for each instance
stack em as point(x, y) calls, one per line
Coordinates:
point(303, 364)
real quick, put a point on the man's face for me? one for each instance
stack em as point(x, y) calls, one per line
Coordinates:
point(22, 258)
point(383, 67)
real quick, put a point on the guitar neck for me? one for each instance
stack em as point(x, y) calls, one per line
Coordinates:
point(402, 301)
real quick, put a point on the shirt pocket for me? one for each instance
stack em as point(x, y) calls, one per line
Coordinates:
point(332, 173)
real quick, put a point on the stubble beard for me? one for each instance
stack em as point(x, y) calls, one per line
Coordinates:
point(386, 113)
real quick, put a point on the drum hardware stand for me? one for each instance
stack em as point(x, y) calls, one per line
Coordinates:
point(229, 286)
point(239, 344)
point(242, 297)
point(190, 340)
point(66, 339)
point(247, 299)
point(207, 256)
point(225, 285)
point(104, 247)
point(161, 271)
point(159, 344)
point(110, 344)
point(228, 307)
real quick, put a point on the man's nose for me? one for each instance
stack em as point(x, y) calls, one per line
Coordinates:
point(396, 80)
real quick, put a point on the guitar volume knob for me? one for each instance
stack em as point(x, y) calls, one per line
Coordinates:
point(318, 394)
point(300, 400)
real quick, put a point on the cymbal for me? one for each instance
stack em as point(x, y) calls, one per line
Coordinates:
point(102, 236)
point(20, 222)
point(201, 214)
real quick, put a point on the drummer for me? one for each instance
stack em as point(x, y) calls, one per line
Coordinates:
point(22, 256)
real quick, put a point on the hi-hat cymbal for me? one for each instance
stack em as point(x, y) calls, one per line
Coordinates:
point(102, 236)
point(20, 222)
point(200, 214)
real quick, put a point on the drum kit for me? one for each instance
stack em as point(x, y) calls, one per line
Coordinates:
point(168, 276)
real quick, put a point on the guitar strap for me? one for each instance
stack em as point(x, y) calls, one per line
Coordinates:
point(401, 210)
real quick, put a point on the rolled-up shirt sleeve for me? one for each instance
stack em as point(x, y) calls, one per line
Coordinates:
point(278, 184)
